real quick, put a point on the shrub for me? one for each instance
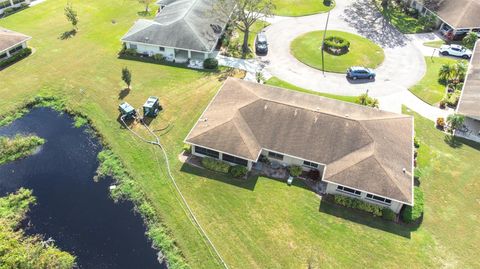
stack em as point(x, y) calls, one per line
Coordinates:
point(441, 122)
point(452, 98)
point(442, 103)
point(158, 57)
point(215, 165)
point(358, 204)
point(210, 63)
point(130, 52)
point(417, 173)
point(238, 171)
point(416, 144)
point(187, 148)
point(411, 214)
point(388, 214)
point(314, 174)
point(295, 170)
point(18, 147)
point(16, 57)
point(336, 45)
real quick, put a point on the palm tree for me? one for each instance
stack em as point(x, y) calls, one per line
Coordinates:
point(455, 121)
point(459, 71)
point(470, 40)
point(445, 72)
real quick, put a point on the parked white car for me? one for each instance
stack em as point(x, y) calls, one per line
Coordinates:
point(456, 50)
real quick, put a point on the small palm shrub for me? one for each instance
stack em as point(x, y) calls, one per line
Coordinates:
point(215, 165)
point(238, 171)
point(210, 63)
point(295, 170)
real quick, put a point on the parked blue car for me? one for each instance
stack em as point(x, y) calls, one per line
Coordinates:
point(356, 72)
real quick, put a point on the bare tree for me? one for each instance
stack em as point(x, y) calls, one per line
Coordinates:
point(245, 14)
point(146, 3)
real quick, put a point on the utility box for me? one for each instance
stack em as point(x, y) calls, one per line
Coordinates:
point(152, 107)
point(127, 111)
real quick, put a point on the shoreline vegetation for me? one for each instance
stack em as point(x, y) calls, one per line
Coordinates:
point(109, 166)
point(19, 250)
point(18, 147)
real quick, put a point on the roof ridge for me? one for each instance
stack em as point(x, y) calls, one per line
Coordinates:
point(128, 34)
point(195, 32)
point(350, 154)
point(239, 117)
point(206, 132)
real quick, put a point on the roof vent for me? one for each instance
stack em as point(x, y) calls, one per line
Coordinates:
point(204, 119)
point(404, 170)
point(318, 108)
point(296, 112)
point(146, 38)
point(265, 107)
point(346, 116)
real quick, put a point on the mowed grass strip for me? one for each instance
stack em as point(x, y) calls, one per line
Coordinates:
point(295, 8)
point(430, 89)
point(363, 52)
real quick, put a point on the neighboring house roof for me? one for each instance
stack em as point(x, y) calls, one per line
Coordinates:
point(362, 147)
point(457, 13)
point(185, 24)
point(469, 103)
point(10, 39)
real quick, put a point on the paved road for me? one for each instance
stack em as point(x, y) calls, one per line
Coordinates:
point(403, 67)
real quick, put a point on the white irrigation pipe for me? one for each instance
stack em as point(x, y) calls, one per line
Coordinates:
point(157, 143)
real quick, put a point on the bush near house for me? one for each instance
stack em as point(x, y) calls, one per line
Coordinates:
point(16, 57)
point(210, 63)
point(295, 170)
point(411, 214)
point(388, 214)
point(215, 165)
point(358, 204)
point(238, 171)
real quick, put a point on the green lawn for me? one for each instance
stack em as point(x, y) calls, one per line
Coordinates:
point(257, 223)
point(430, 89)
point(403, 22)
point(434, 44)
point(237, 39)
point(363, 52)
point(274, 81)
point(296, 8)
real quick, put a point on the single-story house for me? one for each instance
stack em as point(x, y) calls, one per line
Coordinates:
point(4, 4)
point(358, 151)
point(184, 29)
point(469, 103)
point(455, 16)
point(11, 42)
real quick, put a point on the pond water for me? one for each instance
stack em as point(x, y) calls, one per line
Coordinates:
point(71, 208)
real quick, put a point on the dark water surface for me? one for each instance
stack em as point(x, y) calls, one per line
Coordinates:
point(71, 208)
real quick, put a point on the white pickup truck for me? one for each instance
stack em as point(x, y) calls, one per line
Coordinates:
point(456, 50)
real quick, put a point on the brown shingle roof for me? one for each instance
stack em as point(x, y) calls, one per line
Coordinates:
point(9, 38)
point(363, 148)
point(469, 103)
point(457, 13)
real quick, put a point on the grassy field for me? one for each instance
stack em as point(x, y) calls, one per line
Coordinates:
point(274, 81)
point(430, 89)
point(257, 223)
point(295, 8)
point(363, 52)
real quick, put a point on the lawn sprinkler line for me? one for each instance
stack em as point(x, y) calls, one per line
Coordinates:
point(157, 143)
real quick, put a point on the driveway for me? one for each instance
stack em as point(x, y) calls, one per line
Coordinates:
point(403, 67)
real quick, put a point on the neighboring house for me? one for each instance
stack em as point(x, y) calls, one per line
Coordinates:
point(469, 103)
point(456, 17)
point(4, 4)
point(184, 29)
point(11, 42)
point(358, 151)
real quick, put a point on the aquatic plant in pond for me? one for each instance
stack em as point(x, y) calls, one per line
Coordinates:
point(18, 147)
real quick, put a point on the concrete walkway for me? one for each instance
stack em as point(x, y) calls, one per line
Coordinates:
point(402, 68)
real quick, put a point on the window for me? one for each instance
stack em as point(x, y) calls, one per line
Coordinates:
point(378, 199)
point(233, 159)
point(348, 190)
point(161, 49)
point(207, 152)
point(310, 164)
point(12, 51)
point(133, 46)
point(18, 1)
point(274, 155)
point(4, 4)
point(2, 56)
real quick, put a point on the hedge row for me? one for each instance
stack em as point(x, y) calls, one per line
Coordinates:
point(223, 167)
point(376, 210)
point(412, 214)
point(16, 57)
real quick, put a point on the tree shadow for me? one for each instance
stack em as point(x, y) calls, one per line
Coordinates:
point(452, 141)
point(248, 184)
point(68, 34)
point(144, 13)
point(369, 22)
point(365, 218)
point(123, 93)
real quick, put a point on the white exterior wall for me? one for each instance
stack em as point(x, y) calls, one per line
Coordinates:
point(394, 206)
point(24, 45)
point(168, 52)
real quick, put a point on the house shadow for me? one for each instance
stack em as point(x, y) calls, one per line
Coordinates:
point(248, 183)
point(67, 34)
point(454, 142)
point(367, 219)
point(123, 93)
